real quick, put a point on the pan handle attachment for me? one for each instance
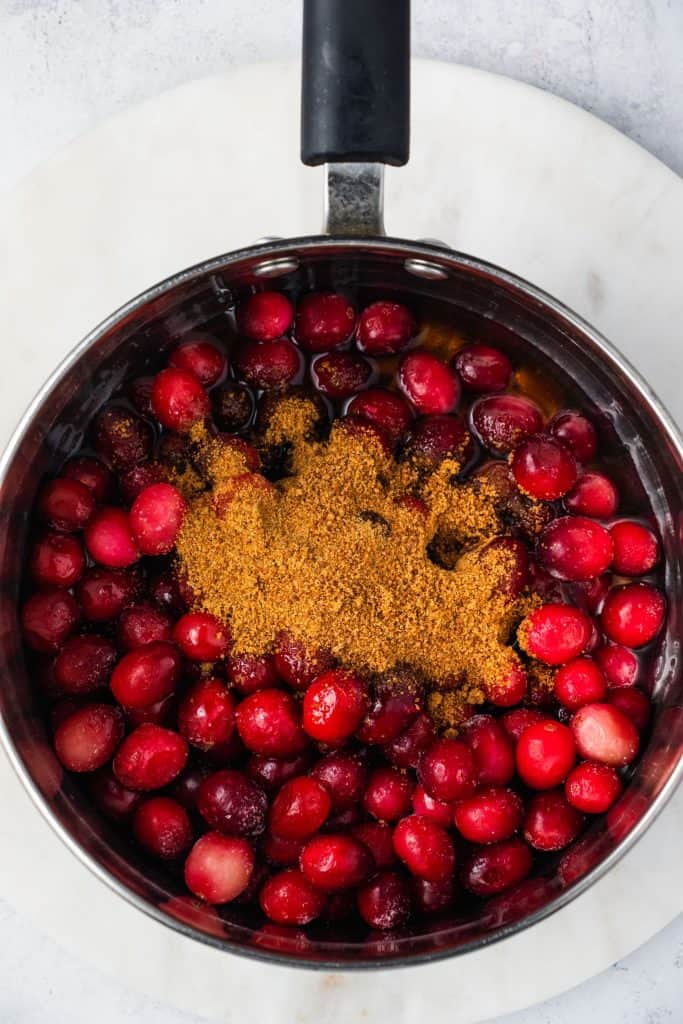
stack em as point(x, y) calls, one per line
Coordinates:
point(355, 109)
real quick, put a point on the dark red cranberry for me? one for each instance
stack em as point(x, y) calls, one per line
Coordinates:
point(57, 560)
point(277, 850)
point(592, 787)
point(590, 594)
point(545, 754)
point(250, 672)
point(289, 898)
point(113, 799)
point(84, 664)
point(336, 861)
point(489, 816)
point(66, 504)
point(178, 399)
point(167, 593)
point(515, 722)
point(551, 822)
point(140, 393)
point(175, 452)
point(491, 748)
point(323, 321)
point(387, 794)
point(269, 723)
point(492, 869)
point(384, 901)
point(543, 468)
point(150, 757)
point(343, 774)
point(93, 473)
point(503, 421)
point(581, 856)
point(404, 751)
point(202, 637)
point(384, 328)
point(231, 803)
point(299, 809)
point(202, 357)
point(269, 364)
point(109, 538)
point(297, 666)
point(633, 614)
point(156, 517)
point(574, 548)
point(511, 563)
point(104, 593)
point(435, 438)
point(162, 712)
point(136, 479)
point(425, 848)
point(121, 438)
point(433, 897)
point(592, 495)
point(344, 821)
point(390, 713)
point(636, 549)
point(87, 739)
point(576, 432)
point(483, 368)
point(340, 374)
point(633, 703)
point(604, 733)
point(579, 682)
point(142, 624)
point(436, 810)
point(146, 675)
point(47, 619)
point(218, 868)
point(264, 316)
point(206, 716)
point(272, 772)
point(377, 836)
point(334, 706)
point(365, 430)
point(519, 901)
point(163, 827)
point(447, 770)
point(387, 409)
point(233, 406)
point(555, 633)
point(431, 385)
point(185, 788)
point(619, 665)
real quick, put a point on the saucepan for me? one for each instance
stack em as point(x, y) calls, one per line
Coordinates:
point(355, 119)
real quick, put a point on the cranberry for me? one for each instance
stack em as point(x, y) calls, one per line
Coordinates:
point(425, 848)
point(218, 868)
point(545, 754)
point(272, 772)
point(113, 799)
point(47, 619)
point(436, 810)
point(340, 374)
point(344, 821)
point(510, 686)
point(202, 637)
point(503, 421)
point(619, 665)
point(323, 321)
point(333, 862)
point(590, 594)
point(604, 733)
point(162, 712)
point(592, 495)
point(343, 775)
point(636, 549)
point(178, 399)
point(250, 672)
point(387, 409)
point(150, 757)
point(269, 364)
point(550, 822)
point(84, 664)
point(142, 624)
point(555, 633)
point(93, 473)
point(57, 560)
point(389, 714)
point(104, 593)
point(299, 809)
point(518, 720)
point(511, 561)
point(109, 538)
point(579, 682)
point(404, 751)
point(297, 666)
point(575, 432)
point(277, 850)
point(206, 716)
point(633, 703)
point(491, 748)
point(384, 901)
point(574, 548)
point(378, 838)
point(202, 357)
point(233, 406)
point(483, 368)
point(489, 816)
point(168, 593)
point(156, 517)
point(447, 770)
point(385, 328)
point(431, 385)
point(66, 504)
point(140, 393)
point(334, 706)
point(134, 480)
point(87, 739)
point(185, 789)
point(387, 794)
point(264, 316)
point(543, 468)
point(269, 723)
point(163, 827)
point(633, 614)
point(583, 855)
point(433, 897)
point(122, 438)
point(289, 898)
point(364, 430)
point(592, 787)
point(491, 869)
point(435, 438)
point(146, 675)
point(231, 803)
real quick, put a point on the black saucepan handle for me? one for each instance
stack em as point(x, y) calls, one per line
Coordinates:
point(356, 82)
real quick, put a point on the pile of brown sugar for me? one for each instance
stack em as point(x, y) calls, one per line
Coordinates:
point(338, 556)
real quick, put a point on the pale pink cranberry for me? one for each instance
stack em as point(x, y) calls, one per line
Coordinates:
point(592, 787)
point(57, 560)
point(551, 822)
point(503, 421)
point(386, 409)
point(272, 772)
point(178, 399)
point(250, 672)
point(633, 703)
point(387, 794)
point(543, 468)
point(109, 538)
point(385, 328)
point(483, 368)
point(66, 504)
point(113, 799)
point(334, 706)
point(510, 686)
point(324, 320)
point(269, 364)
point(491, 748)
point(515, 722)
point(336, 861)
point(576, 432)
point(122, 438)
point(202, 637)
point(218, 868)
point(377, 836)
point(87, 739)
point(404, 751)
point(84, 664)
point(289, 898)
point(265, 316)
point(47, 619)
point(636, 549)
point(433, 897)
point(619, 665)
point(575, 548)
point(343, 774)
point(93, 474)
point(436, 438)
point(269, 723)
point(633, 614)
point(390, 712)
point(431, 385)
point(592, 495)
point(436, 810)
point(341, 374)
point(384, 901)
point(425, 848)
point(489, 816)
point(604, 733)
point(297, 666)
point(299, 809)
point(447, 770)
point(202, 357)
point(231, 803)
point(492, 869)
point(150, 757)
point(104, 593)
point(156, 517)
point(206, 716)
point(146, 675)
point(142, 624)
point(545, 754)
point(555, 633)
point(162, 826)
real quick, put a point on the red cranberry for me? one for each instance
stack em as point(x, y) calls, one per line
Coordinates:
point(518, 720)
point(269, 364)
point(511, 562)
point(122, 438)
point(387, 409)
point(633, 614)
point(93, 473)
point(491, 748)
point(489, 816)
point(231, 803)
point(47, 619)
point(550, 822)
point(431, 385)
point(404, 751)
point(333, 862)
point(202, 357)
point(575, 432)
point(218, 868)
point(178, 399)
point(84, 664)
point(113, 799)
point(583, 855)
point(277, 850)
point(109, 538)
point(555, 633)
point(433, 897)
point(168, 593)
point(387, 794)
point(66, 504)
point(265, 316)
point(633, 703)
point(384, 901)
point(543, 468)
point(250, 672)
point(272, 772)
point(436, 810)
point(206, 716)
point(344, 821)
point(592, 787)
point(156, 517)
point(87, 739)
point(389, 714)
point(619, 665)
point(447, 770)
point(299, 809)
point(289, 898)
point(590, 594)
point(104, 593)
point(435, 438)
point(343, 775)
point(297, 666)
point(377, 837)
point(323, 321)
point(146, 675)
point(365, 430)
point(202, 637)
point(385, 328)
point(483, 368)
point(163, 827)
point(503, 421)
point(579, 682)
point(574, 548)
point(150, 757)
point(162, 712)
point(340, 374)
point(604, 733)
point(57, 560)
point(491, 869)
point(636, 549)
point(545, 754)
point(592, 495)
point(142, 624)
point(136, 479)
point(233, 406)
point(510, 686)
point(334, 706)
point(269, 723)
point(425, 848)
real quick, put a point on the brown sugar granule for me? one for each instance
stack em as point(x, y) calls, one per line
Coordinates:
point(337, 556)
